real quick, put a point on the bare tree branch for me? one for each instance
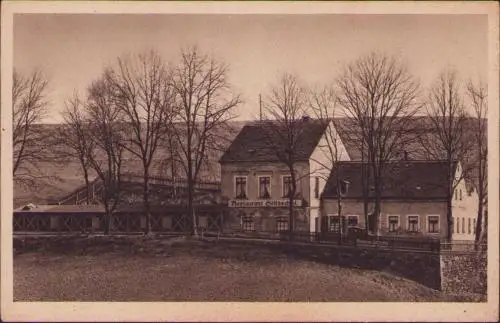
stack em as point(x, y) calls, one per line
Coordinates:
point(478, 96)
point(141, 91)
point(379, 97)
point(448, 139)
point(205, 103)
point(30, 145)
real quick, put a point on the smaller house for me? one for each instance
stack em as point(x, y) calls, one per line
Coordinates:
point(413, 201)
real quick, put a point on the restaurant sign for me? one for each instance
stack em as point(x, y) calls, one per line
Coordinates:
point(263, 203)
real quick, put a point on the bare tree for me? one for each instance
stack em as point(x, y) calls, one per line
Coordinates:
point(205, 102)
point(285, 107)
point(74, 139)
point(448, 140)
point(106, 134)
point(479, 99)
point(29, 108)
point(142, 93)
point(379, 96)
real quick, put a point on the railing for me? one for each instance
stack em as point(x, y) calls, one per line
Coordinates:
point(124, 223)
point(179, 183)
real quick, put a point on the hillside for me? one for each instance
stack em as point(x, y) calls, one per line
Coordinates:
point(67, 177)
point(58, 179)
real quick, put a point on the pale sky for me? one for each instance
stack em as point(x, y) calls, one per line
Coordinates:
point(72, 49)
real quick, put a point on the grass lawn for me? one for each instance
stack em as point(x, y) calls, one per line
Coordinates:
point(139, 269)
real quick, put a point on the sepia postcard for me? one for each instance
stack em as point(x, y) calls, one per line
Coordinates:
point(249, 161)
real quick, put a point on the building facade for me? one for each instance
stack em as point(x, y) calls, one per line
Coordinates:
point(413, 201)
point(257, 183)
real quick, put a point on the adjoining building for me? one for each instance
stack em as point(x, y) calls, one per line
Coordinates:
point(413, 200)
point(257, 183)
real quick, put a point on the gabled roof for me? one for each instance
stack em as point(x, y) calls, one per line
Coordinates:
point(257, 141)
point(404, 180)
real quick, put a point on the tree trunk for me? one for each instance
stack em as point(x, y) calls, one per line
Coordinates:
point(147, 208)
point(339, 208)
point(449, 216)
point(87, 184)
point(449, 199)
point(191, 211)
point(291, 197)
point(107, 222)
point(479, 223)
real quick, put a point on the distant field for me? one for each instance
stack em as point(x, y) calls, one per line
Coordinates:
point(171, 270)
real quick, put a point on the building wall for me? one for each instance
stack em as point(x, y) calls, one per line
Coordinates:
point(265, 218)
point(321, 162)
point(395, 208)
point(464, 211)
point(253, 170)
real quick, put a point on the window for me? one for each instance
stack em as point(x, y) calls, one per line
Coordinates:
point(316, 187)
point(344, 185)
point(460, 194)
point(474, 224)
point(433, 223)
point(458, 225)
point(334, 223)
point(393, 221)
point(264, 187)
point(413, 223)
point(456, 195)
point(241, 187)
point(469, 228)
point(463, 225)
point(247, 224)
point(352, 220)
point(287, 186)
point(453, 225)
point(282, 225)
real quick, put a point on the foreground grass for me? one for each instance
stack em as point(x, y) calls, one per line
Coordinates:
point(138, 269)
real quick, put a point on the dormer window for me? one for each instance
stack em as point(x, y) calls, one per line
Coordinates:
point(344, 186)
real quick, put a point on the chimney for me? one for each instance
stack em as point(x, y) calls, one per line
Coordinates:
point(405, 155)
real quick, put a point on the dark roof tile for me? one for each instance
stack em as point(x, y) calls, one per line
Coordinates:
point(256, 142)
point(403, 180)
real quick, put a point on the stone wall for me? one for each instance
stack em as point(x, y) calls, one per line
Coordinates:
point(422, 267)
point(464, 272)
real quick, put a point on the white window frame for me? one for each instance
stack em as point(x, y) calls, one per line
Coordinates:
point(408, 223)
point(427, 225)
point(333, 216)
point(352, 215)
point(258, 185)
point(283, 184)
point(399, 222)
point(283, 219)
point(234, 184)
point(247, 219)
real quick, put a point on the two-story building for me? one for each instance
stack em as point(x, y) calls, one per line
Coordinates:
point(257, 183)
point(413, 200)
